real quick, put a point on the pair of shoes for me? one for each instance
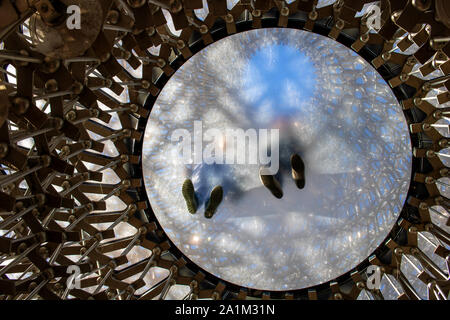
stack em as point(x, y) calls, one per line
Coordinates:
point(215, 198)
point(298, 174)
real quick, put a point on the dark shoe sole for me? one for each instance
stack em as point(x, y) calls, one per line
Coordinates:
point(189, 196)
point(214, 201)
point(272, 184)
point(298, 170)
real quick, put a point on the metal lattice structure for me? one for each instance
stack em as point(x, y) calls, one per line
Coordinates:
point(72, 114)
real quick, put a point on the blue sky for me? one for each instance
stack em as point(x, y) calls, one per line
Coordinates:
point(279, 77)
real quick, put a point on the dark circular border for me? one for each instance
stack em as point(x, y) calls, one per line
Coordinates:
point(402, 92)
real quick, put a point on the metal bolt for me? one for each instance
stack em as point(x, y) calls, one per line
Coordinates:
point(430, 154)
point(256, 13)
point(423, 206)
point(284, 11)
point(21, 104)
point(3, 150)
point(71, 115)
point(113, 16)
point(429, 180)
point(338, 296)
point(136, 3)
point(51, 85)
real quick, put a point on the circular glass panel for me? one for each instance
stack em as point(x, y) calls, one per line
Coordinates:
point(330, 107)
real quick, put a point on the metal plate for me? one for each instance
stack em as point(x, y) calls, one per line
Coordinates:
point(332, 108)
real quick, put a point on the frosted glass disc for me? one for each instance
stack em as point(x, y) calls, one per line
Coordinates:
point(332, 108)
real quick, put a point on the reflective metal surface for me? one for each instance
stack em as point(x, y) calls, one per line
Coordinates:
point(332, 108)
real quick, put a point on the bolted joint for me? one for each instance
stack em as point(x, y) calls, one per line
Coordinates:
point(4, 149)
point(412, 229)
point(98, 236)
point(126, 183)
point(426, 87)
point(112, 264)
point(45, 160)
point(404, 77)
point(71, 115)
point(193, 285)
point(313, 15)
point(364, 38)
point(443, 143)
point(43, 252)
point(32, 286)
point(176, 6)
point(429, 180)
point(430, 154)
point(181, 44)
point(132, 208)
point(126, 133)
point(77, 87)
point(338, 296)
point(215, 295)
point(161, 63)
point(50, 65)
point(150, 31)
point(134, 108)
point(57, 123)
point(49, 274)
point(145, 84)
point(156, 251)
point(87, 144)
point(113, 16)
point(438, 200)
point(51, 85)
point(94, 112)
point(21, 105)
point(386, 56)
point(422, 5)
point(360, 285)
point(203, 29)
point(173, 269)
point(21, 248)
point(136, 3)
point(411, 61)
point(90, 207)
point(437, 114)
point(142, 230)
point(340, 24)
point(40, 198)
point(443, 172)
point(395, 272)
point(423, 206)
point(417, 101)
point(65, 151)
point(110, 294)
point(105, 57)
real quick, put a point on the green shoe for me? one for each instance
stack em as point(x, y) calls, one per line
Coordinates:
point(189, 196)
point(213, 202)
point(271, 183)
